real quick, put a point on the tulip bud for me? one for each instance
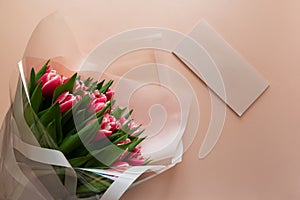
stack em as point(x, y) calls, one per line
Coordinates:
point(132, 125)
point(120, 122)
point(135, 157)
point(124, 142)
point(96, 105)
point(102, 133)
point(107, 126)
point(97, 95)
point(66, 101)
point(98, 101)
point(109, 94)
point(120, 166)
point(50, 81)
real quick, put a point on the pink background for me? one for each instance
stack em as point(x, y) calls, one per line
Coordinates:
point(258, 155)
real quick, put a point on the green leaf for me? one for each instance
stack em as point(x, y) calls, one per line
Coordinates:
point(108, 155)
point(136, 134)
point(41, 113)
point(69, 114)
point(115, 135)
point(118, 112)
point(147, 161)
point(95, 186)
point(53, 113)
point(100, 119)
point(51, 129)
point(79, 161)
point(84, 102)
point(127, 130)
point(42, 136)
point(128, 114)
point(70, 143)
point(36, 98)
point(99, 85)
point(92, 87)
point(68, 86)
point(94, 163)
point(59, 132)
point(134, 143)
point(42, 71)
point(32, 82)
point(80, 115)
point(38, 129)
point(106, 86)
point(80, 152)
point(29, 115)
point(122, 138)
point(86, 134)
point(99, 114)
point(87, 81)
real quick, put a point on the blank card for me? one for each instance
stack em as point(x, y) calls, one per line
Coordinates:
point(224, 71)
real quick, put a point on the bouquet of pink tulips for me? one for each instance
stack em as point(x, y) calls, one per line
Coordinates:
point(79, 118)
point(67, 136)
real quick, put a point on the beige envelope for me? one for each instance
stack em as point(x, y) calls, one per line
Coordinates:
point(230, 76)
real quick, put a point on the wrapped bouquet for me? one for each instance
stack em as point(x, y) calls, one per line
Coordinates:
point(78, 141)
point(70, 135)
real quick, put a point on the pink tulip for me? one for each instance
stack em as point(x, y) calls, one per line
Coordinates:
point(66, 101)
point(50, 81)
point(132, 125)
point(109, 94)
point(108, 122)
point(98, 101)
point(107, 127)
point(136, 161)
point(124, 142)
point(97, 95)
point(135, 158)
point(123, 156)
point(120, 122)
point(102, 133)
point(120, 166)
point(95, 105)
